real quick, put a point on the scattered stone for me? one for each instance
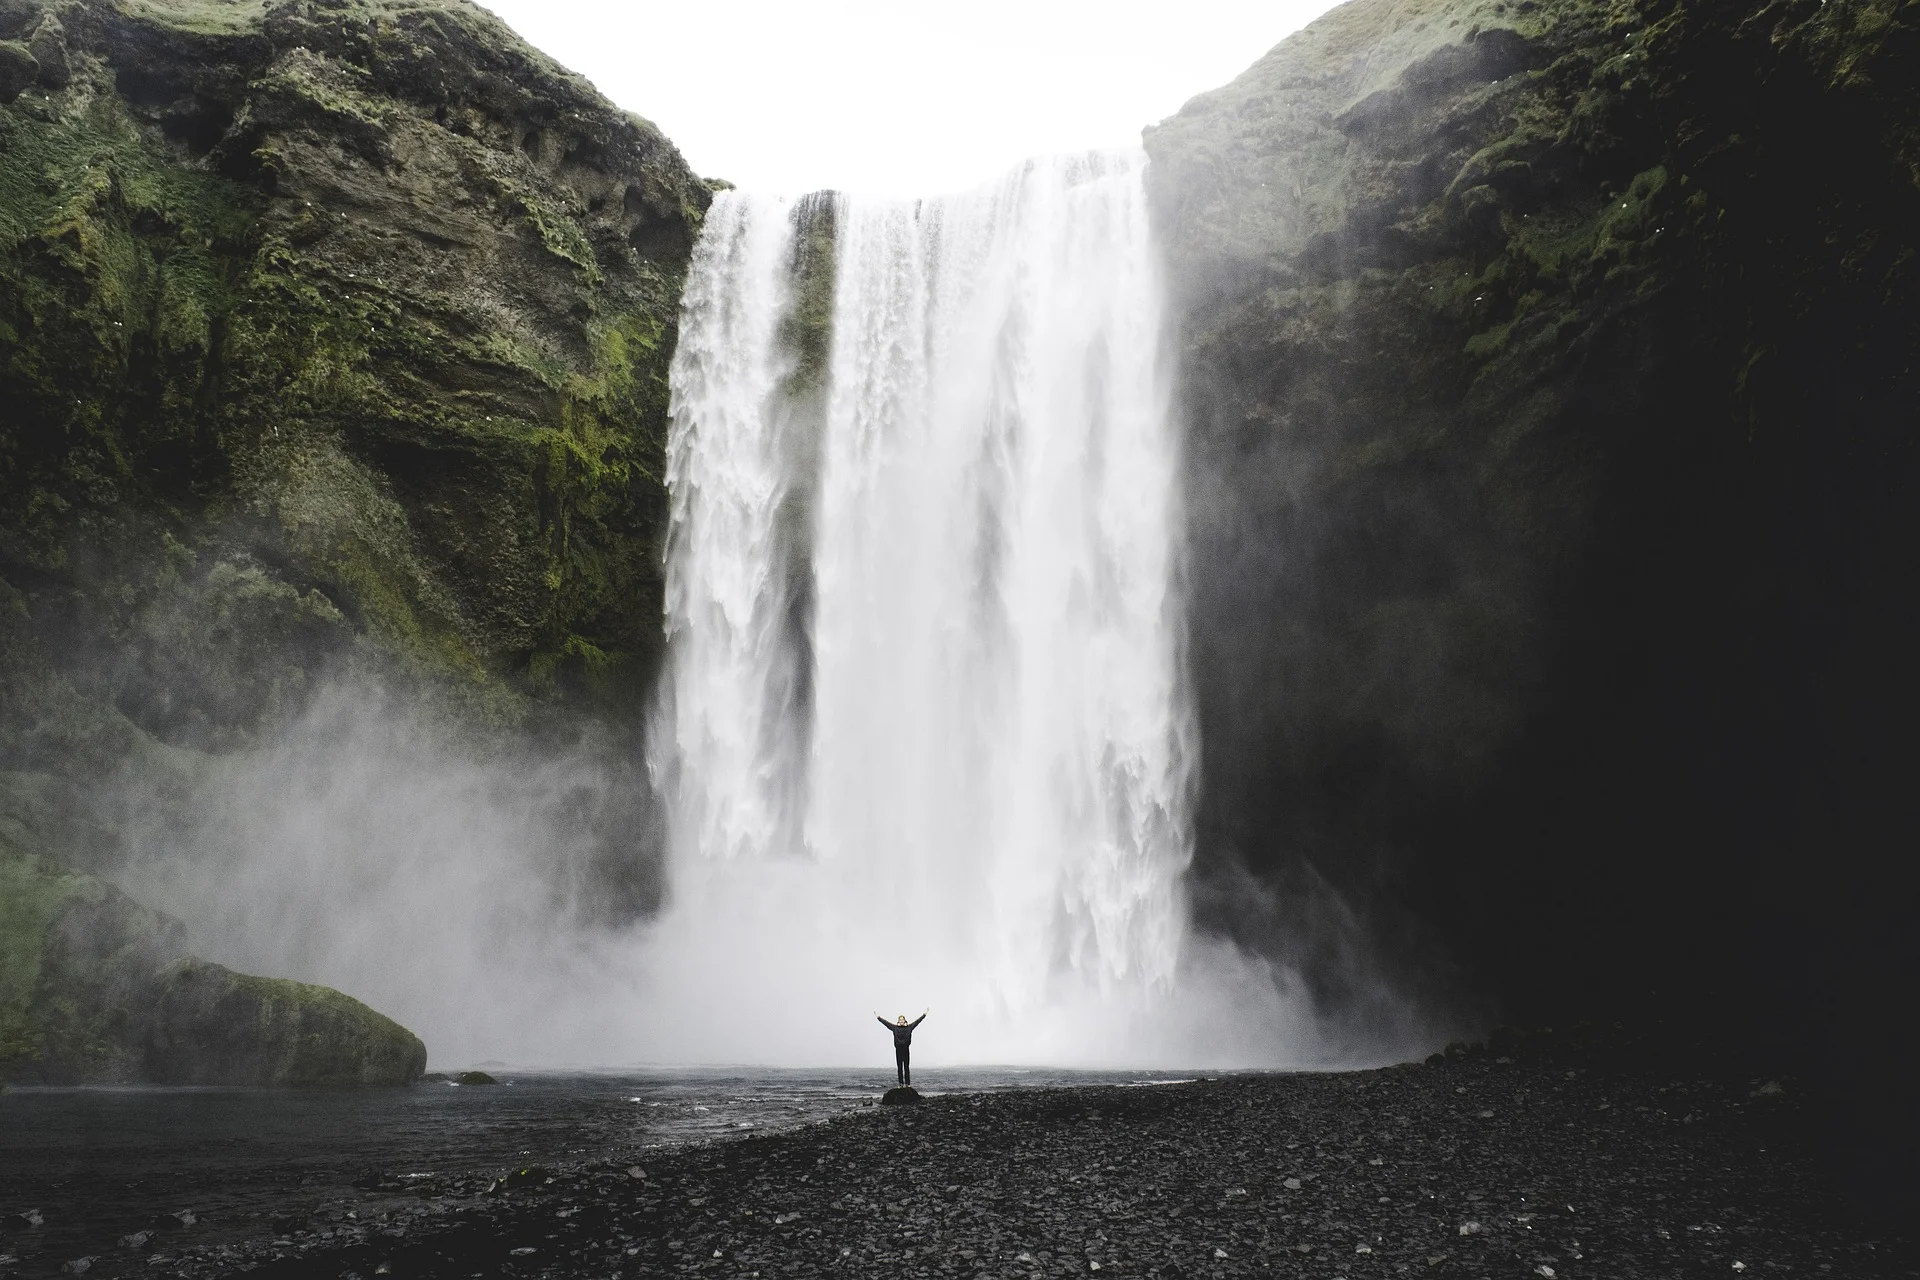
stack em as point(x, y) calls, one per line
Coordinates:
point(1031, 1182)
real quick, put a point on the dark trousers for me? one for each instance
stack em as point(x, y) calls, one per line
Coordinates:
point(900, 1064)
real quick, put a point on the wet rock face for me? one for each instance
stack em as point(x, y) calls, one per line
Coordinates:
point(373, 303)
point(1539, 531)
point(214, 1026)
point(333, 351)
point(1550, 388)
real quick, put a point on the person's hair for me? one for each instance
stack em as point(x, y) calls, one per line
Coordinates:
point(903, 1017)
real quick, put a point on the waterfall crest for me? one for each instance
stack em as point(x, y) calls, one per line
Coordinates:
point(924, 736)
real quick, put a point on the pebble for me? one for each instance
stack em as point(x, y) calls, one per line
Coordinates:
point(1234, 1178)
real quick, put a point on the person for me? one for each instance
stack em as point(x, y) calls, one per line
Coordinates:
point(902, 1039)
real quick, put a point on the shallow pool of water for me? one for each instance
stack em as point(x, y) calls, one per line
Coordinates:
point(101, 1163)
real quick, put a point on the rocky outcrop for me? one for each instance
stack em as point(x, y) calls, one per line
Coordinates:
point(213, 1026)
point(95, 988)
point(333, 348)
point(330, 332)
point(1551, 388)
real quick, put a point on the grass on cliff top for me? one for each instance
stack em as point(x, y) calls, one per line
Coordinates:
point(200, 17)
point(1378, 38)
point(244, 17)
point(240, 17)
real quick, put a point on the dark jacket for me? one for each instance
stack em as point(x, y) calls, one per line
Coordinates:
point(902, 1036)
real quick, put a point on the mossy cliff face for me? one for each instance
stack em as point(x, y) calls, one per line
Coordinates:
point(328, 328)
point(333, 349)
point(1551, 383)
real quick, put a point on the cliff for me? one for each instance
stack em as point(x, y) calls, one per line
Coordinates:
point(329, 333)
point(1550, 375)
point(333, 349)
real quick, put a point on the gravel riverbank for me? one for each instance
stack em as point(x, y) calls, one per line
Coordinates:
point(1472, 1166)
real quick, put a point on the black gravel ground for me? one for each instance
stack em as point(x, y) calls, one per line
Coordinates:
point(1471, 1166)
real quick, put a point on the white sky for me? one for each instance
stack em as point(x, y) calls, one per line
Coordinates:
point(899, 96)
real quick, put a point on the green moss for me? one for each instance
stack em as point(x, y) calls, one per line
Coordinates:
point(74, 955)
point(116, 264)
point(215, 1026)
point(561, 235)
point(199, 17)
point(93, 988)
point(339, 517)
point(254, 368)
point(33, 897)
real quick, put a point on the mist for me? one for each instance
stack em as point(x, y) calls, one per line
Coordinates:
point(924, 736)
point(509, 905)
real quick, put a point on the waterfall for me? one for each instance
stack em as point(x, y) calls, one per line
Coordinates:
point(924, 736)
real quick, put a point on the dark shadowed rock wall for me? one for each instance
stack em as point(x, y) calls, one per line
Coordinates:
point(1553, 376)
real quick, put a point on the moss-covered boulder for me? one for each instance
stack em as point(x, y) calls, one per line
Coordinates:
point(78, 960)
point(214, 1026)
point(18, 69)
point(95, 988)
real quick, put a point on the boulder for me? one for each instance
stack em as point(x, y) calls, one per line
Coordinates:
point(48, 44)
point(18, 69)
point(903, 1096)
point(214, 1026)
point(96, 988)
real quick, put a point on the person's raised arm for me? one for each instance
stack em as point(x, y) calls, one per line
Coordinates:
point(922, 1018)
point(882, 1021)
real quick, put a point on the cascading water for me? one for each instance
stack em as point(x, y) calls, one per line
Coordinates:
point(923, 736)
